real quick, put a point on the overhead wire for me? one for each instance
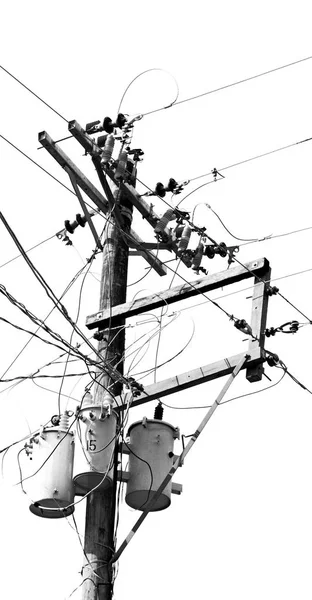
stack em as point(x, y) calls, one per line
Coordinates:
point(69, 285)
point(76, 320)
point(140, 75)
point(29, 250)
point(229, 85)
point(33, 93)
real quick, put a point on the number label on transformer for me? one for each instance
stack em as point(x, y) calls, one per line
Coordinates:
point(91, 445)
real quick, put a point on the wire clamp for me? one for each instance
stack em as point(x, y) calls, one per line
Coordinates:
point(215, 174)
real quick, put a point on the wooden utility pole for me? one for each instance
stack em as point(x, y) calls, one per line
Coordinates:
point(100, 510)
point(118, 237)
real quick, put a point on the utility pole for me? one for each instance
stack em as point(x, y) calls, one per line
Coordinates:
point(100, 510)
point(117, 205)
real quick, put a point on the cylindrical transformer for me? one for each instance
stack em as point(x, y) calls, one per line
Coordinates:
point(150, 460)
point(51, 487)
point(99, 444)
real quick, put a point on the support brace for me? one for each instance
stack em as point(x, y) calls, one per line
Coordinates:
point(179, 461)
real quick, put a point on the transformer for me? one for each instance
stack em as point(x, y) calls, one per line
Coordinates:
point(150, 459)
point(98, 446)
point(51, 485)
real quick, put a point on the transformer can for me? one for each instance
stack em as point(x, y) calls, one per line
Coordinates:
point(150, 459)
point(98, 446)
point(51, 485)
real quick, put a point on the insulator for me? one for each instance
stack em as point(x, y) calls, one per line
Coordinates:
point(81, 220)
point(120, 121)
point(272, 290)
point(270, 331)
point(122, 165)
point(164, 220)
point(243, 326)
point(70, 227)
point(198, 256)
point(210, 251)
point(108, 149)
point(172, 184)
point(159, 411)
point(185, 238)
point(64, 421)
point(108, 125)
point(160, 190)
point(273, 360)
point(222, 250)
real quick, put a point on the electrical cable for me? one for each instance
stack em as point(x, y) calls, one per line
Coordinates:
point(72, 333)
point(50, 174)
point(143, 73)
point(222, 223)
point(50, 312)
point(37, 164)
point(29, 250)
point(33, 93)
point(285, 369)
point(160, 322)
point(148, 371)
point(229, 85)
point(278, 292)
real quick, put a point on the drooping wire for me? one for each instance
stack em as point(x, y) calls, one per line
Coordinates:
point(225, 227)
point(44, 320)
point(72, 332)
point(140, 75)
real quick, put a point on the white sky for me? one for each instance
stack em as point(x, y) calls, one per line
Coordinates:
point(242, 528)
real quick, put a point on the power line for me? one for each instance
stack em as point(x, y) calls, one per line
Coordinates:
point(37, 164)
point(33, 93)
point(29, 250)
point(229, 85)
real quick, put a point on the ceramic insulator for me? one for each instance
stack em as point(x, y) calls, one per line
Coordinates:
point(185, 238)
point(108, 149)
point(164, 220)
point(122, 165)
point(198, 255)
